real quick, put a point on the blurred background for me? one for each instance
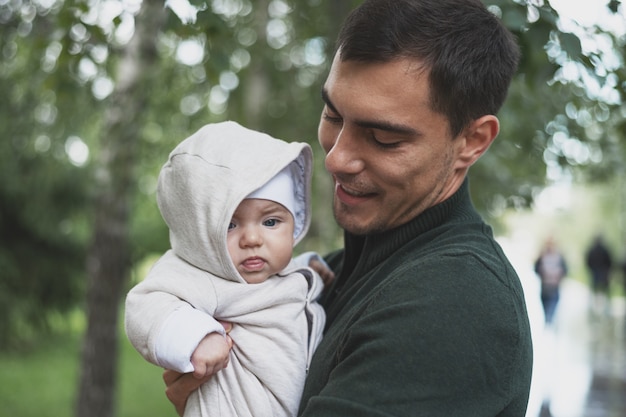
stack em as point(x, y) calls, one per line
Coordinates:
point(96, 93)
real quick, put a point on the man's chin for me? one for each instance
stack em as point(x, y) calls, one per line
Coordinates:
point(351, 225)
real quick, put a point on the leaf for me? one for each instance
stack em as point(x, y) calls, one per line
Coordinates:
point(514, 18)
point(571, 44)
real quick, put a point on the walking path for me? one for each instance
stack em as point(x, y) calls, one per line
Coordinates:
point(580, 360)
point(584, 358)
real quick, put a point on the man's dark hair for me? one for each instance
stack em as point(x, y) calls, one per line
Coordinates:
point(469, 55)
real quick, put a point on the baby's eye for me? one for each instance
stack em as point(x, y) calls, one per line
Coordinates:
point(270, 222)
point(231, 226)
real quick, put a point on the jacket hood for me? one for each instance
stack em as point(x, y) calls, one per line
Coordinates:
point(206, 177)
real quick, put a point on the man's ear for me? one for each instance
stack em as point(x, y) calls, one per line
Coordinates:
point(476, 139)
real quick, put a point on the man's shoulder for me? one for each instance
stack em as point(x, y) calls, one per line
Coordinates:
point(452, 244)
point(452, 259)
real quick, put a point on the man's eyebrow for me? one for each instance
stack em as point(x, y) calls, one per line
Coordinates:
point(373, 124)
point(387, 127)
point(327, 101)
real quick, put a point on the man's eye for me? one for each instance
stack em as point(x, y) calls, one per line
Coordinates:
point(384, 145)
point(332, 118)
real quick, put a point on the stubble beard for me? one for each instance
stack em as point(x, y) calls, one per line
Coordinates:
point(343, 217)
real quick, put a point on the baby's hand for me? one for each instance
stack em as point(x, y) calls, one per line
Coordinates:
point(328, 276)
point(211, 355)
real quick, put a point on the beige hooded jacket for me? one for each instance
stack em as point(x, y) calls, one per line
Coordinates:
point(277, 324)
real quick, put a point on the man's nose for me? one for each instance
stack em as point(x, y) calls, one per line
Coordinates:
point(344, 154)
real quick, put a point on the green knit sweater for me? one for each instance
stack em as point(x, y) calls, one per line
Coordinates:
point(428, 319)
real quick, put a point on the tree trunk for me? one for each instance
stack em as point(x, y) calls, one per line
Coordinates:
point(108, 262)
point(256, 85)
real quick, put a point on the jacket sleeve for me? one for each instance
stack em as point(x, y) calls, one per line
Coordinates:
point(179, 336)
point(169, 312)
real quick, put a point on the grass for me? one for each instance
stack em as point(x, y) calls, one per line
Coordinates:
point(43, 381)
point(141, 389)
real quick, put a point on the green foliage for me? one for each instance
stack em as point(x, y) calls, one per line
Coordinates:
point(58, 62)
point(43, 221)
point(56, 59)
point(550, 121)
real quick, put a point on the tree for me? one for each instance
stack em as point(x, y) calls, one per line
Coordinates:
point(554, 127)
point(109, 258)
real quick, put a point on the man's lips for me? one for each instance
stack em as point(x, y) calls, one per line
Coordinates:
point(351, 197)
point(253, 264)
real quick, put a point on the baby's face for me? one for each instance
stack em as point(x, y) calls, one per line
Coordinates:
point(260, 239)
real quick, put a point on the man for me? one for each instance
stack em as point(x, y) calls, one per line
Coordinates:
point(599, 261)
point(426, 316)
point(551, 268)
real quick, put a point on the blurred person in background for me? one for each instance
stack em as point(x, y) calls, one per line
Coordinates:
point(551, 268)
point(599, 262)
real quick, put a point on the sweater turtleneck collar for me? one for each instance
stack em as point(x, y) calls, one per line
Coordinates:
point(380, 246)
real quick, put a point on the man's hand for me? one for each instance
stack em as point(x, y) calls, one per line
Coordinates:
point(328, 276)
point(179, 386)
